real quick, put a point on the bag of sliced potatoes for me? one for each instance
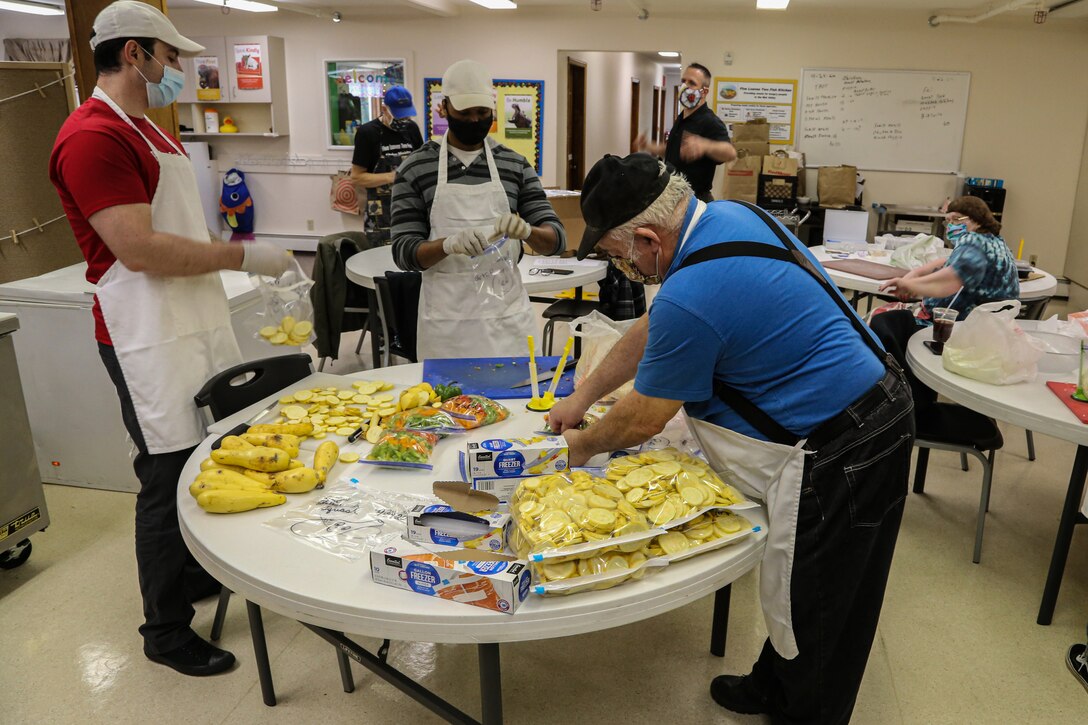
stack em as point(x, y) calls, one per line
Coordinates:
point(288, 314)
point(671, 488)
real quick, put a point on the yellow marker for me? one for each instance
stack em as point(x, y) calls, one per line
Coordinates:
point(1020, 251)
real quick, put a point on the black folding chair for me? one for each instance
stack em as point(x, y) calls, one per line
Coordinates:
point(398, 310)
point(223, 395)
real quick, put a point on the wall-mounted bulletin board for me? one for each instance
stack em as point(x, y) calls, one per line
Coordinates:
point(887, 120)
point(519, 116)
point(35, 238)
point(742, 99)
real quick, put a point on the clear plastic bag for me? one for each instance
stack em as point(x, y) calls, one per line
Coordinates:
point(671, 488)
point(288, 314)
point(594, 574)
point(599, 333)
point(349, 520)
point(989, 346)
point(403, 449)
point(475, 411)
point(495, 276)
point(706, 532)
point(925, 248)
point(575, 515)
point(425, 418)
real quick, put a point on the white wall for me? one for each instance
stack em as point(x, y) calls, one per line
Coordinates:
point(22, 25)
point(1026, 117)
point(608, 103)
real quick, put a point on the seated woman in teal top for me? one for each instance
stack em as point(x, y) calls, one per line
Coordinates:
point(980, 269)
point(981, 264)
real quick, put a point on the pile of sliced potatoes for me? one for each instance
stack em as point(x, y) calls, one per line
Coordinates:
point(289, 332)
point(340, 411)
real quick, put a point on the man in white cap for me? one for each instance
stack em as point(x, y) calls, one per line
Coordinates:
point(453, 199)
point(162, 321)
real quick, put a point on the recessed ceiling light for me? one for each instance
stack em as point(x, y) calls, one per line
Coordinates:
point(247, 5)
point(497, 4)
point(33, 8)
point(668, 54)
point(772, 4)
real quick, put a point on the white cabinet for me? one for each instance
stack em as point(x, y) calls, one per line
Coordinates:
point(240, 77)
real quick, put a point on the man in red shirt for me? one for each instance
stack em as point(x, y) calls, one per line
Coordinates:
point(162, 320)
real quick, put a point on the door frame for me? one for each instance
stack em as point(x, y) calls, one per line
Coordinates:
point(571, 65)
point(636, 99)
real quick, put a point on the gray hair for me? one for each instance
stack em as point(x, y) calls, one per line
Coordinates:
point(666, 212)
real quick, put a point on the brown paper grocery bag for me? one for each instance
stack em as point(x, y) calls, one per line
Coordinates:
point(779, 165)
point(755, 130)
point(835, 185)
point(742, 179)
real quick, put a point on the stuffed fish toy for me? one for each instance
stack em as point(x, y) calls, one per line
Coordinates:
point(235, 203)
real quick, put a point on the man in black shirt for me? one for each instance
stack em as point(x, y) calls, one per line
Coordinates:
point(698, 141)
point(380, 146)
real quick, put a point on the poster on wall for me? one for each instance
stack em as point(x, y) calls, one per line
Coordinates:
point(207, 69)
point(354, 90)
point(742, 99)
point(519, 116)
point(248, 68)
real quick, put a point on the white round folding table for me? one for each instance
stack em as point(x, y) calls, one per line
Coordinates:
point(332, 596)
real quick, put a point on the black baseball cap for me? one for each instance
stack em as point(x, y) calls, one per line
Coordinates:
point(617, 190)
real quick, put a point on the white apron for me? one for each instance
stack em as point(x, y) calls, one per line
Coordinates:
point(773, 473)
point(170, 334)
point(453, 320)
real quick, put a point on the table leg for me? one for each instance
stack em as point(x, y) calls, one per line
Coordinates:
point(1065, 536)
point(719, 626)
point(490, 684)
point(374, 325)
point(260, 653)
point(345, 670)
point(577, 340)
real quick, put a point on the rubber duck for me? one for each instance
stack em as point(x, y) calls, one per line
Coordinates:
point(228, 126)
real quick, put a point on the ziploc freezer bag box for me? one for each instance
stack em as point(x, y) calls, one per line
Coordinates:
point(497, 583)
point(443, 525)
point(490, 464)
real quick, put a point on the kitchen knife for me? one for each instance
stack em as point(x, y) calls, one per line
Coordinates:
point(243, 427)
point(544, 377)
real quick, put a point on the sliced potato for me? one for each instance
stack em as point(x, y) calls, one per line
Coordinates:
point(349, 457)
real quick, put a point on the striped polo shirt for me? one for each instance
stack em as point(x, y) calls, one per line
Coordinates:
point(417, 178)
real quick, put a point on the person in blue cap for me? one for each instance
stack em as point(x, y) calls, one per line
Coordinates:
point(380, 146)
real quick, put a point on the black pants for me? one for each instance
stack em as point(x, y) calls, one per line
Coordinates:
point(166, 568)
point(851, 507)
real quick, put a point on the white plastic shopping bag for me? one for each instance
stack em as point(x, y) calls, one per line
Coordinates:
point(599, 333)
point(925, 248)
point(989, 346)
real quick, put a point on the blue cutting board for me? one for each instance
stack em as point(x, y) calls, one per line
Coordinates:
point(494, 376)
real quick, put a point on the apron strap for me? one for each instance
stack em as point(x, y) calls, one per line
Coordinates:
point(746, 409)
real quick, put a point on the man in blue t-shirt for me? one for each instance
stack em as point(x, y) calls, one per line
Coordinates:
point(751, 338)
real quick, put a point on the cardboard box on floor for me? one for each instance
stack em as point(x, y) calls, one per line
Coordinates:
point(479, 577)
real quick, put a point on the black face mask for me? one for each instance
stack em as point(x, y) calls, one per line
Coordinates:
point(470, 133)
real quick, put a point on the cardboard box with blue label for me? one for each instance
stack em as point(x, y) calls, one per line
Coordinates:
point(498, 464)
point(480, 578)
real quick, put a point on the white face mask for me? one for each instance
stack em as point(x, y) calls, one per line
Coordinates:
point(690, 97)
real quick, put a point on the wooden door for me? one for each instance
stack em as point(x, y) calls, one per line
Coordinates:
point(655, 114)
point(576, 124)
point(81, 15)
point(635, 99)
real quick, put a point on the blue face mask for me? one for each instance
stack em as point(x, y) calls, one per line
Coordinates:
point(166, 91)
point(956, 232)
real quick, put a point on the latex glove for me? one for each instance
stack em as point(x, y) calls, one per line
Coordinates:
point(512, 226)
point(471, 242)
point(265, 258)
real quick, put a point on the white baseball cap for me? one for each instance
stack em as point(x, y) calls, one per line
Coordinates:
point(467, 84)
point(134, 19)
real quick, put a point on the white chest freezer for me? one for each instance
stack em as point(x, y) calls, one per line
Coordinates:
point(74, 413)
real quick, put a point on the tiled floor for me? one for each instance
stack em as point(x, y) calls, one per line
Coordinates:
point(957, 641)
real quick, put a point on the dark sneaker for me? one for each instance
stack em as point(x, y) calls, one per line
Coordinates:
point(196, 658)
point(1077, 661)
point(734, 692)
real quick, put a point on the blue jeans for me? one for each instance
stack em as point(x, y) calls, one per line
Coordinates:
point(851, 506)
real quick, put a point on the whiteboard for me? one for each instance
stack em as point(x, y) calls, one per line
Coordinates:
point(888, 120)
